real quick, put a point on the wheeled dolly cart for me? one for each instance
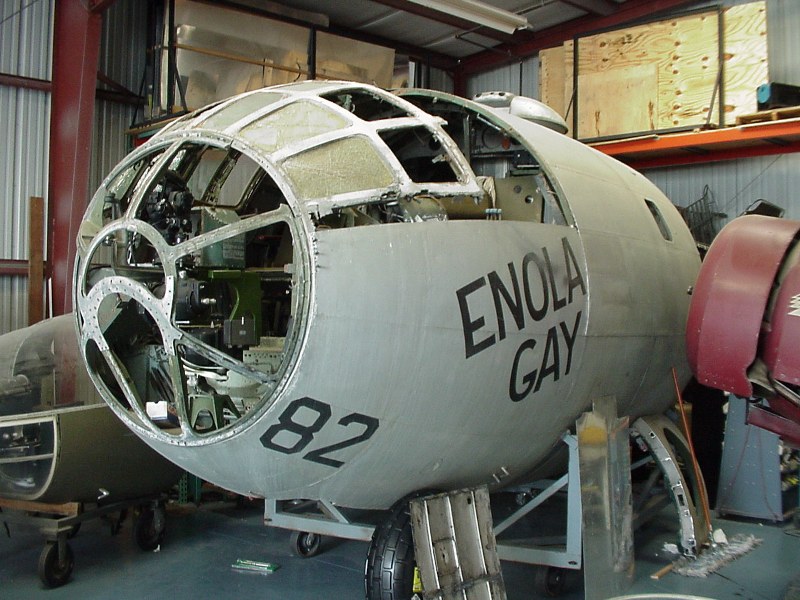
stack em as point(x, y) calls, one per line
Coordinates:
point(60, 522)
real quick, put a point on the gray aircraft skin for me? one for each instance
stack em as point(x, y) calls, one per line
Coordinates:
point(323, 290)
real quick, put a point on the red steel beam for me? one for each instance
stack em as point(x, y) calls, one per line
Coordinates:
point(730, 143)
point(14, 267)
point(702, 139)
point(76, 46)
point(27, 83)
point(122, 97)
point(36, 310)
point(712, 156)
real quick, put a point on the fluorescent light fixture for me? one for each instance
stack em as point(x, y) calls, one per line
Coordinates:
point(479, 13)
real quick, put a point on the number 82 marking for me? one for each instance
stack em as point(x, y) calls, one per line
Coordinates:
point(305, 433)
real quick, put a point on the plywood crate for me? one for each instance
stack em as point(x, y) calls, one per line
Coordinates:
point(660, 76)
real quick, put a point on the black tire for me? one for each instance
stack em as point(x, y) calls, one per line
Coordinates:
point(305, 544)
point(389, 573)
point(145, 531)
point(550, 581)
point(52, 572)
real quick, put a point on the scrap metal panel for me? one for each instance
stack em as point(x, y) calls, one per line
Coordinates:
point(734, 286)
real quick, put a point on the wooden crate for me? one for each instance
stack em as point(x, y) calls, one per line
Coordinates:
point(660, 76)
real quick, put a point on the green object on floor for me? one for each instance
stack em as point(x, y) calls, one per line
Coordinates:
point(255, 566)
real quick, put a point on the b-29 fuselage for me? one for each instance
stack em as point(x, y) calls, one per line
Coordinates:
point(323, 290)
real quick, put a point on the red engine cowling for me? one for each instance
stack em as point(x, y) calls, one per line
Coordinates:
point(744, 318)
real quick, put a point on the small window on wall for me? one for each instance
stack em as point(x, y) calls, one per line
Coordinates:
point(659, 219)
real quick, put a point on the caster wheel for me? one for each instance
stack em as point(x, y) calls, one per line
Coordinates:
point(52, 572)
point(305, 544)
point(148, 529)
point(550, 581)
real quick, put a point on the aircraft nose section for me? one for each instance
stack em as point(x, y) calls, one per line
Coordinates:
point(189, 310)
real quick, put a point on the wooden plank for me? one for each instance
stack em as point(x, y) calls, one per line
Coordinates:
point(624, 48)
point(634, 105)
point(35, 260)
point(688, 76)
point(551, 79)
point(569, 82)
point(746, 63)
point(649, 77)
point(67, 509)
point(776, 114)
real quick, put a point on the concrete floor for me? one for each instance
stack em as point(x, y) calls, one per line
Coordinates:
point(202, 543)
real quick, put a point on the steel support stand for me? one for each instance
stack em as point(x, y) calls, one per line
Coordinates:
point(320, 517)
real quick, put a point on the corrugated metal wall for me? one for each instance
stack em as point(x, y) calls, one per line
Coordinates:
point(122, 59)
point(25, 127)
point(783, 41)
point(429, 77)
point(521, 78)
point(441, 80)
point(26, 32)
point(736, 184)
